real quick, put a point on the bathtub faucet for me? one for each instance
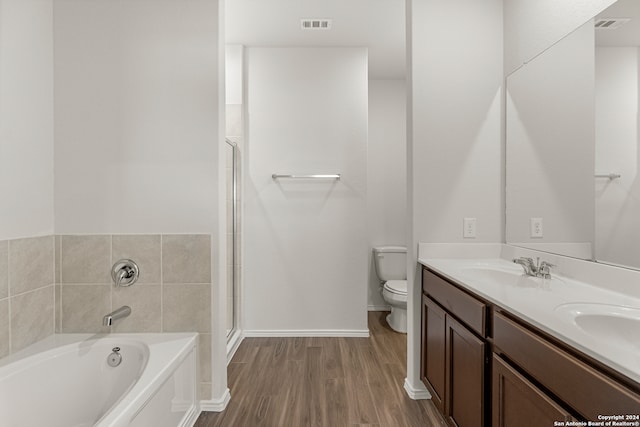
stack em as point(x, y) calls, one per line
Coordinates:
point(120, 313)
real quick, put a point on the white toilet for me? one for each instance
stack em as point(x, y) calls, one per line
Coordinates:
point(391, 268)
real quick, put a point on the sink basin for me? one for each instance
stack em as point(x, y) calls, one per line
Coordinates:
point(614, 324)
point(505, 277)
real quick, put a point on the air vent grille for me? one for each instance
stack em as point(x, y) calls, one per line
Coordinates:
point(316, 24)
point(610, 23)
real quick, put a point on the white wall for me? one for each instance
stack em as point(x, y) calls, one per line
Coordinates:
point(305, 241)
point(618, 201)
point(219, 390)
point(26, 118)
point(234, 74)
point(136, 116)
point(454, 134)
point(456, 119)
point(234, 88)
point(550, 150)
point(386, 173)
point(139, 111)
point(531, 26)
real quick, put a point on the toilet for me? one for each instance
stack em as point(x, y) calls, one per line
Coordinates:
point(391, 268)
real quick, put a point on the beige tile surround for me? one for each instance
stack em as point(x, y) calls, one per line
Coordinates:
point(63, 284)
point(173, 293)
point(26, 292)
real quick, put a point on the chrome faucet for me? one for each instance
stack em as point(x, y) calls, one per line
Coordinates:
point(544, 270)
point(120, 313)
point(530, 268)
point(537, 269)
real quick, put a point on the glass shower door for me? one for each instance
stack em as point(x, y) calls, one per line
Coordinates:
point(232, 237)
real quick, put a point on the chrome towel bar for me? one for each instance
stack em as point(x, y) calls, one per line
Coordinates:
point(610, 176)
point(329, 176)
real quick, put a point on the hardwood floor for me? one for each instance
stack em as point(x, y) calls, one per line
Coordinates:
point(332, 382)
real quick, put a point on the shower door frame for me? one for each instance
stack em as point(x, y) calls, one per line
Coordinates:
point(234, 332)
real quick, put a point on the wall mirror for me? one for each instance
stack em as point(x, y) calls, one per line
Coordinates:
point(572, 143)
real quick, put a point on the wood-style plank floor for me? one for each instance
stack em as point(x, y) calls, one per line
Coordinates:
point(332, 382)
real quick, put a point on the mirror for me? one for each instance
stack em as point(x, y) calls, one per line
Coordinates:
point(572, 151)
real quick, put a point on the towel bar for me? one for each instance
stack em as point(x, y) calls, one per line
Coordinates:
point(610, 176)
point(329, 176)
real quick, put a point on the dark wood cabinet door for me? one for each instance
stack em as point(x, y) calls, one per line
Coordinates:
point(466, 370)
point(433, 350)
point(517, 402)
point(580, 386)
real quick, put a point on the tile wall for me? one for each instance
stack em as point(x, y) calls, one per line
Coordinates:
point(172, 294)
point(63, 284)
point(26, 292)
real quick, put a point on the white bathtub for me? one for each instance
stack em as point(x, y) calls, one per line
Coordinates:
point(65, 381)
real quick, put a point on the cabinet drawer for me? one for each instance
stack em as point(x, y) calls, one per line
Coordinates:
point(468, 309)
point(585, 389)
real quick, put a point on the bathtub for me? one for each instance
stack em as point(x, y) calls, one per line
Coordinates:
point(65, 381)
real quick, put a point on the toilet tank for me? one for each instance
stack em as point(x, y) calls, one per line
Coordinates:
point(390, 262)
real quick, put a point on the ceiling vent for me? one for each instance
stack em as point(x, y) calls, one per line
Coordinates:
point(316, 24)
point(610, 23)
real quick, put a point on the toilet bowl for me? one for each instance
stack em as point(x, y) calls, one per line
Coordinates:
point(394, 293)
point(391, 268)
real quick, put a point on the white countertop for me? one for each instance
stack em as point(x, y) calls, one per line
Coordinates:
point(544, 304)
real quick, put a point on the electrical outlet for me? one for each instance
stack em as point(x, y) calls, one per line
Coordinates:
point(536, 228)
point(469, 228)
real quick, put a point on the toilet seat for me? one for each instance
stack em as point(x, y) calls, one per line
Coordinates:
point(397, 287)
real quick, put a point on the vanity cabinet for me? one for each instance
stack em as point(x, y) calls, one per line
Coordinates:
point(517, 402)
point(454, 364)
point(486, 366)
point(586, 390)
point(466, 372)
point(434, 360)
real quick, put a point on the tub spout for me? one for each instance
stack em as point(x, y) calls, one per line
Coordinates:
point(123, 311)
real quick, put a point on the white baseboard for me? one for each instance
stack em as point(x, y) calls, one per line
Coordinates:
point(233, 344)
point(359, 333)
point(420, 393)
point(379, 308)
point(216, 405)
point(190, 417)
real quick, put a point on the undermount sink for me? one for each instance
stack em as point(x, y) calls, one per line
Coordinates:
point(506, 277)
point(614, 324)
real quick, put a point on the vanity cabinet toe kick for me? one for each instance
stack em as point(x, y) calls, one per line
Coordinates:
point(487, 367)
